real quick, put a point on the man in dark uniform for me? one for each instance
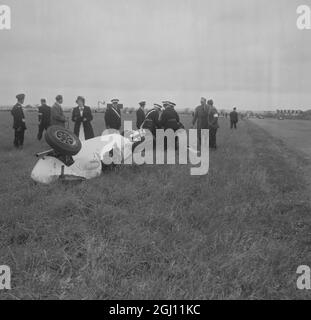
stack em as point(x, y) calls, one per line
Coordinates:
point(152, 121)
point(234, 119)
point(140, 114)
point(44, 118)
point(165, 104)
point(213, 125)
point(113, 116)
point(170, 118)
point(201, 119)
point(19, 124)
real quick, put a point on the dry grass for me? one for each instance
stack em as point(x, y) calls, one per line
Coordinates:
point(155, 232)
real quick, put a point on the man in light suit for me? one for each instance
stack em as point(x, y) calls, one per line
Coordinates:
point(57, 113)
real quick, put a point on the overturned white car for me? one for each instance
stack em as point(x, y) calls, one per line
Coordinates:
point(73, 160)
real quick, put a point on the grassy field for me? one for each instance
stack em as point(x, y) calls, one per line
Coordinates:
point(155, 232)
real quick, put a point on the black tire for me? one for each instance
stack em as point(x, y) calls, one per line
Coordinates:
point(63, 141)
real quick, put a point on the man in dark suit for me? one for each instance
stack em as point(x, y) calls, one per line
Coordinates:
point(19, 124)
point(213, 124)
point(82, 117)
point(44, 118)
point(113, 116)
point(234, 119)
point(140, 114)
point(201, 119)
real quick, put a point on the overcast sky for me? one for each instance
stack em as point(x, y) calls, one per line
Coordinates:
point(247, 53)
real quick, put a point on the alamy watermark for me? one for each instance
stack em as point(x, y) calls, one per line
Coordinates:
point(164, 147)
point(303, 20)
point(5, 17)
point(304, 17)
point(304, 279)
point(5, 278)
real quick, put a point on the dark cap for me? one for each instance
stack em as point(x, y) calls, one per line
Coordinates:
point(172, 104)
point(158, 106)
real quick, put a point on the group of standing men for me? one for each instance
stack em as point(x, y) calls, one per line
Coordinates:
point(81, 116)
point(160, 117)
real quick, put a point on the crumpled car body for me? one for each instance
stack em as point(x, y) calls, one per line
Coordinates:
point(87, 164)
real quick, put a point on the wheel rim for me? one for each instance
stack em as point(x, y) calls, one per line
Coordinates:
point(65, 138)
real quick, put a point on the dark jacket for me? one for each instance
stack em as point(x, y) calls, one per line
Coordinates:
point(170, 119)
point(212, 118)
point(140, 115)
point(234, 117)
point(44, 116)
point(18, 117)
point(201, 117)
point(113, 118)
point(57, 116)
point(85, 120)
point(152, 122)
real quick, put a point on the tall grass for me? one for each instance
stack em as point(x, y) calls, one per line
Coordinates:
point(155, 232)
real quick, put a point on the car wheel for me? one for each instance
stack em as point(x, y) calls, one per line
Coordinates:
point(63, 141)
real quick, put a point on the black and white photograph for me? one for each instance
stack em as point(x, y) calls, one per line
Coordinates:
point(155, 151)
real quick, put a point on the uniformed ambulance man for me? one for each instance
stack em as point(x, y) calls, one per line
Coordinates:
point(57, 114)
point(113, 116)
point(152, 121)
point(19, 124)
point(170, 118)
point(140, 114)
point(165, 104)
point(44, 118)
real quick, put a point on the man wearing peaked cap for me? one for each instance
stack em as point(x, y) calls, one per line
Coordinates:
point(113, 116)
point(19, 124)
point(140, 114)
point(165, 104)
point(170, 118)
point(152, 121)
point(158, 106)
point(44, 118)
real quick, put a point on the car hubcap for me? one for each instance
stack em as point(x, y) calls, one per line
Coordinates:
point(65, 137)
